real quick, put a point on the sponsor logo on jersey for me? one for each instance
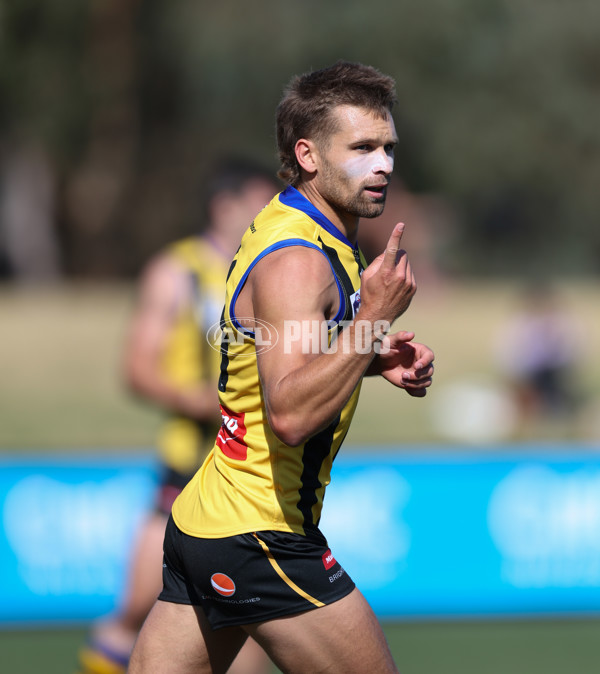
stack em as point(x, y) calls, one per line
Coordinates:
point(328, 560)
point(222, 584)
point(230, 438)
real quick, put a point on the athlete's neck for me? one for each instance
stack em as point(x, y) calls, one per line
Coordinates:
point(342, 220)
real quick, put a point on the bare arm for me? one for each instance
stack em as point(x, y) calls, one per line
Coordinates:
point(163, 294)
point(303, 391)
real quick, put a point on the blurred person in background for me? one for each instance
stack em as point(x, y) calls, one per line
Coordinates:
point(29, 248)
point(244, 555)
point(170, 363)
point(538, 351)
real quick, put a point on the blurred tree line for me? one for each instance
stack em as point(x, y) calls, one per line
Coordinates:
point(113, 111)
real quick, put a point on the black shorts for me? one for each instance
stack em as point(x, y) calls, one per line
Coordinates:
point(251, 577)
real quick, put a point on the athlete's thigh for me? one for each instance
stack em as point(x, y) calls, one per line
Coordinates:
point(177, 639)
point(145, 573)
point(340, 638)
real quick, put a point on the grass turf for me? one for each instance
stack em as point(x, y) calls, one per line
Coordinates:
point(61, 348)
point(521, 647)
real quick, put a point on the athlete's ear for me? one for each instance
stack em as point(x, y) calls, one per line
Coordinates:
point(307, 155)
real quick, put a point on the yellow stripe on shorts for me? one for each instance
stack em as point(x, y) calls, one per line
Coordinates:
point(286, 579)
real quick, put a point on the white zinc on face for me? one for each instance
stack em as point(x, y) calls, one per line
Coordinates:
point(371, 163)
point(357, 163)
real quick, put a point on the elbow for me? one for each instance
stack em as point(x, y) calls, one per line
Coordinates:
point(289, 429)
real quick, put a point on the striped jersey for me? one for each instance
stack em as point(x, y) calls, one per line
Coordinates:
point(251, 480)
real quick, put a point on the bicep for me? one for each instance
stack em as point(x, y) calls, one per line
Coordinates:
point(294, 291)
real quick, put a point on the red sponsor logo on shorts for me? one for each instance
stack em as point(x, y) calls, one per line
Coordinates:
point(222, 584)
point(230, 438)
point(328, 560)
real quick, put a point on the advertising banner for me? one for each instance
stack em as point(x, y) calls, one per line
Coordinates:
point(424, 534)
point(68, 526)
point(489, 533)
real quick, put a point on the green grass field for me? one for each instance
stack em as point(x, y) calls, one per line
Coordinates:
point(550, 647)
point(60, 389)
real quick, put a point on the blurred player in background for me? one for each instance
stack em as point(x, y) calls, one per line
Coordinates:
point(539, 352)
point(170, 362)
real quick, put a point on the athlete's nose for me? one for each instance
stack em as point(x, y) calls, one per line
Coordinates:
point(384, 163)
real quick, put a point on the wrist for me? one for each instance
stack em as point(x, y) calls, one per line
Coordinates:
point(375, 329)
point(362, 337)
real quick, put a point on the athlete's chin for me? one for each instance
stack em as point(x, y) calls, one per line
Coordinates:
point(373, 209)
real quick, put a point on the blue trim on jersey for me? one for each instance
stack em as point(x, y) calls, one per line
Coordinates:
point(286, 243)
point(291, 197)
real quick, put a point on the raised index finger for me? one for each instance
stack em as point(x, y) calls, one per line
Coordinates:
point(393, 246)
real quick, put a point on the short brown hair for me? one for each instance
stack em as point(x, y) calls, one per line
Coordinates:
point(305, 109)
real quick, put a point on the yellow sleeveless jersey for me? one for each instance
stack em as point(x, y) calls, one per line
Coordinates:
point(188, 357)
point(251, 480)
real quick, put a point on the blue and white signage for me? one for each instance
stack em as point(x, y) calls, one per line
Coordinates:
point(67, 532)
point(423, 533)
point(439, 534)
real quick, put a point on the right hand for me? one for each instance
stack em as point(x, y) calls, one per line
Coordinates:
point(388, 283)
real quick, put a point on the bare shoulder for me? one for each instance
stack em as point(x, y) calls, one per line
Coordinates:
point(295, 278)
point(161, 268)
point(163, 282)
point(292, 264)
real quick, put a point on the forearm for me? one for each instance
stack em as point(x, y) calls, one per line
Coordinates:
point(310, 396)
point(199, 402)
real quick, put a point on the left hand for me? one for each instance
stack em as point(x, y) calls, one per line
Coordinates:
point(405, 364)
